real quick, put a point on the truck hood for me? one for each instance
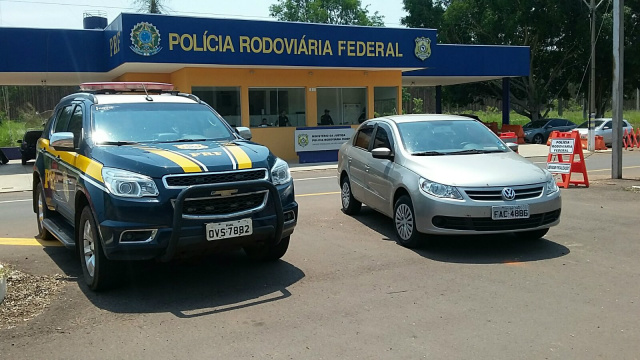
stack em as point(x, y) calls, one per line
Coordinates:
point(477, 170)
point(157, 160)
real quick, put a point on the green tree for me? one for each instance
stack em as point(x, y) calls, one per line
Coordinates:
point(151, 6)
point(423, 13)
point(341, 12)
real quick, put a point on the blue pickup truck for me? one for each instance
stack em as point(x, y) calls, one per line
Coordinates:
point(138, 171)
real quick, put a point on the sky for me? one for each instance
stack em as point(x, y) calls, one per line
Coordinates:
point(67, 14)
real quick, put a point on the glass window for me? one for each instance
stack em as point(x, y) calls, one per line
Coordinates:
point(225, 100)
point(75, 125)
point(157, 122)
point(63, 119)
point(607, 125)
point(277, 107)
point(364, 138)
point(382, 139)
point(341, 106)
point(443, 137)
point(385, 101)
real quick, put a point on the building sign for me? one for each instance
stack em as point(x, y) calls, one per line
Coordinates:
point(561, 146)
point(321, 139)
point(559, 168)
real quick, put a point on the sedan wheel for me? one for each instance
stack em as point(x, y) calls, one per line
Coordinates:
point(405, 223)
point(350, 205)
point(538, 139)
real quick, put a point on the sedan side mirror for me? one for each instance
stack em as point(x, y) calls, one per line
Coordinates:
point(513, 146)
point(244, 132)
point(382, 153)
point(62, 141)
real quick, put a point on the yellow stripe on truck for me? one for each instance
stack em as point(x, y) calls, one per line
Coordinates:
point(243, 160)
point(80, 162)
point(187, 165)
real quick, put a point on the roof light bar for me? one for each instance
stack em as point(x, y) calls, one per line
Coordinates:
point(126, 86)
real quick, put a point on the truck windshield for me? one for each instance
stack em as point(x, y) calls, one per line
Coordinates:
point(156, 122)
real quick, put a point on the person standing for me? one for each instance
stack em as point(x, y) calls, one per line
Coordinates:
point(283, 120)
point(326, 118)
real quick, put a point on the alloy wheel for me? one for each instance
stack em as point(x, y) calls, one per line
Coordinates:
point(88, 247)
point(346, 195)
point(404, 221)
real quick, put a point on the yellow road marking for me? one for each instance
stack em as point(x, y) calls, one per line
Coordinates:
point(318, 194)
point(243, 160)
point(29, 242)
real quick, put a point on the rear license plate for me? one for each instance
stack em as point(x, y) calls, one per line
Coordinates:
point(506, 212)
point(229, 229)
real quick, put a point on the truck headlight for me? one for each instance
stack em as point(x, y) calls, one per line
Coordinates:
point(280, 173)
point(128, 184)
point(439, 190)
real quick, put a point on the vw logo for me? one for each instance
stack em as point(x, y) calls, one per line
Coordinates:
point(508, 194)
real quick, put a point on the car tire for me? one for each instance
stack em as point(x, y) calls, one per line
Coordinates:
point(24, 160)
point(266, 252)
point(350, 205)
point(41, 213)
point(538, 139)
point(99, 272)
point(404, 223)
point(532, 235)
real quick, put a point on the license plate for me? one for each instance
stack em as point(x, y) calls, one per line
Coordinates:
point(506, 212)
point(229, 229)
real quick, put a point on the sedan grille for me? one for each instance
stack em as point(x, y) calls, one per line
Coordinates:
point(227, 205)
point(527, 192)
point(488, 224)
point(179, 181)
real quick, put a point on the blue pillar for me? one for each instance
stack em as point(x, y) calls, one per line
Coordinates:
point(506, 101)
point(439, 99)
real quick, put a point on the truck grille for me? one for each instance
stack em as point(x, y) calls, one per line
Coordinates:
point(181, 181)
point(495, 194)
point(488, 224)
point(225, 206)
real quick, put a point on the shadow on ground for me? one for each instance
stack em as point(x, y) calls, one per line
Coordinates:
point(189, 288)
point(481, 249)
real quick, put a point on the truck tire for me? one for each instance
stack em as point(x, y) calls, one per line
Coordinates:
point(41, 213)
point(99, 272)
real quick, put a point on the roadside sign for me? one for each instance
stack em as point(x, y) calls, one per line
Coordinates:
point(559, 168)
point(562, 146)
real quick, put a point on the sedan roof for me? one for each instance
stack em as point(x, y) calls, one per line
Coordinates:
point(424, 117)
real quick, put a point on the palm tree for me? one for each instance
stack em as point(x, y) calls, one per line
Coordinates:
point(151, 6)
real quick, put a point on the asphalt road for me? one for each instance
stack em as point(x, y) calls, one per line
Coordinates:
point(345, 290)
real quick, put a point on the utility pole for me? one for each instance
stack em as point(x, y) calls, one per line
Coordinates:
point(591, 137)
point(618, 98)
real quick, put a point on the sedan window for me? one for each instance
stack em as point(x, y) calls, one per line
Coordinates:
point(382, 139)
point(364, 138)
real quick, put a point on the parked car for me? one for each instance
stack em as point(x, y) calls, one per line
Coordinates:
point(537, 132)
point(28, 145)
point(603, 127)
point(445, 174)
point(124, 174)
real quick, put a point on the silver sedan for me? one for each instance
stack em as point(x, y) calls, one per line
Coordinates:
point(445, 174)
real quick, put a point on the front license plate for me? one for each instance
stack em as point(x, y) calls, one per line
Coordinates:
point(229, 229)
point(506, 212)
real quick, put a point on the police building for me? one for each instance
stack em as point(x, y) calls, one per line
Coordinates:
point(294, 84)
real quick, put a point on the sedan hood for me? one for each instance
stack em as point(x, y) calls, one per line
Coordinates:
point(477, 170)
point(156, 160)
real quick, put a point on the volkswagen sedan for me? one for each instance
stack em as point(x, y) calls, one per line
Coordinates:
point(445, 174)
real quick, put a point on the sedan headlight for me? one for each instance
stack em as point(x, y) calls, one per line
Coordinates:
point(439, 190)
point(280, 173)
point(552, 186)
point(128, 184)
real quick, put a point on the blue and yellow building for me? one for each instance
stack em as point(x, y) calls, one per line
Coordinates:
point(271, 76)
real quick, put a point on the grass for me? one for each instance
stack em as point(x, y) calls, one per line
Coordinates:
point(632, 116)
point(11, 132)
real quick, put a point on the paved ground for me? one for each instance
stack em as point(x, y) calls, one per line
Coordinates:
point(345, 290)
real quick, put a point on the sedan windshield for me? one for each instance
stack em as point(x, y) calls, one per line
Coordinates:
point(123, 124)
point(449, 137)
point(585, 125)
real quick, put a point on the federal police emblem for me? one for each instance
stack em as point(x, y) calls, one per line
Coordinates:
point(303, 140)
point(423, 48)
point(145, 39)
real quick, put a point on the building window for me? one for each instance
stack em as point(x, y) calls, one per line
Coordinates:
point(341, 106)
point(385, 101)
point(225, 100)
point(272, 107)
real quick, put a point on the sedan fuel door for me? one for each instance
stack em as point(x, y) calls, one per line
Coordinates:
point(382, 169)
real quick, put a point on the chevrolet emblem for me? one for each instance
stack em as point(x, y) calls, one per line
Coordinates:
point(224, 193)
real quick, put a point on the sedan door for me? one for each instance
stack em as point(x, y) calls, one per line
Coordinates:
point(379, 180)
point(359, 158)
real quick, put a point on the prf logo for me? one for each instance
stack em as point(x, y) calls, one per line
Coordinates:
point(303, 140)
point(145, 39)
point(423, 48)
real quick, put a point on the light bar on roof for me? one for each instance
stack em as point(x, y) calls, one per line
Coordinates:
point(125, 86)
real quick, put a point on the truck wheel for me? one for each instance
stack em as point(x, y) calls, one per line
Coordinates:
point(268, 253)
point(41, 208)
point(404, 221)
point(350, 205)
point(24, 160)
point(99, 272)
point(532, 235)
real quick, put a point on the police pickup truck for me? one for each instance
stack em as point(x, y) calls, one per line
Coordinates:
point(137, 171)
